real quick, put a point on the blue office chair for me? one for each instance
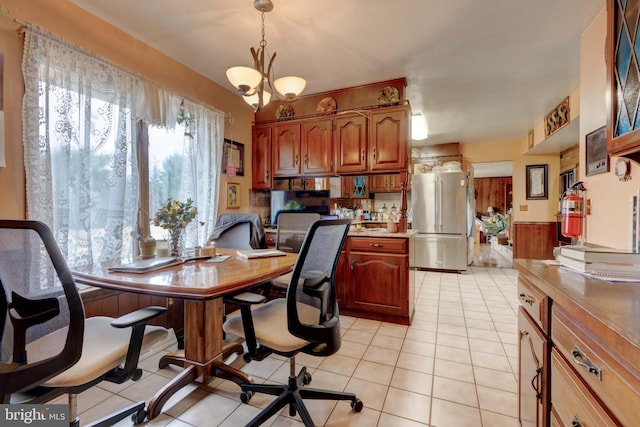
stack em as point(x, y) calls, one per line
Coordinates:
point(305, 321)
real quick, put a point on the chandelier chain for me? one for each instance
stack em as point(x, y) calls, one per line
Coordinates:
point(263, 43)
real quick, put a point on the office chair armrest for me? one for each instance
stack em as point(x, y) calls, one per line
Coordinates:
point(245, 298)
point(142, 316)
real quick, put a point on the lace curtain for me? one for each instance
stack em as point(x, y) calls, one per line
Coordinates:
point(80, 135)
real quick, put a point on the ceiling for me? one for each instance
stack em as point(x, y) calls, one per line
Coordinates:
point(479, 71)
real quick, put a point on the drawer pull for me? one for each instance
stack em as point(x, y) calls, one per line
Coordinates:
point(527, 299)
point(534, 383)
point(583, 360)
point(576, 422)
point(377, 245)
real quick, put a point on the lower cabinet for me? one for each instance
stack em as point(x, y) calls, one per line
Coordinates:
point(374, 280)
point(533, 350)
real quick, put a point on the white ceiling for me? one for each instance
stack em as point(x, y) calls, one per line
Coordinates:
point(478, 70)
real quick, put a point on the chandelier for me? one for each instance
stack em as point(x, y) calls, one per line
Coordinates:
point(255, 83)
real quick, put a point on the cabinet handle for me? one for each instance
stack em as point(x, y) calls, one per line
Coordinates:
point(296, 160)
point(527, 299)
point(374, 153)
point(363, 154)
point(576, 422)
point(352, 268)
point(534, 383)
point(583, 360)
point(306, 159)
point(377, 245)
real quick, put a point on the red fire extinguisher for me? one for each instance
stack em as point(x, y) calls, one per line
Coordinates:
point(571, 210)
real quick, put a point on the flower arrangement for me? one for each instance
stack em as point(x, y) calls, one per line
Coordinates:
point(174, 216)
point(496, 224)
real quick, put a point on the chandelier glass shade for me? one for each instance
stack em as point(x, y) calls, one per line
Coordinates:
point(252, 83)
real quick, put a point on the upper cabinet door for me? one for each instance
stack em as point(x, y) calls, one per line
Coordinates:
point(261, 158)
point(388, 139)
point(623, 75)
point(317, 147)
point(351, 144)
point(286, 150)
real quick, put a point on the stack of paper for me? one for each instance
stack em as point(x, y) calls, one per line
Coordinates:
point(601, 262)
point(258, 253)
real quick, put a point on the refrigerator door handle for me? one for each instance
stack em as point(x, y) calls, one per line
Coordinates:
point(440, 192)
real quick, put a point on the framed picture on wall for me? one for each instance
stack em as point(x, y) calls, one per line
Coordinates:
point(233, 158)
point(233, 195)
point(537, 185)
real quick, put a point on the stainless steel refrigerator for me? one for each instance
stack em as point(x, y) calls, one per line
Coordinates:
point(442, 211)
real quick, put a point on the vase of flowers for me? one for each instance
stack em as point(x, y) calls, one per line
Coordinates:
point(174, 216)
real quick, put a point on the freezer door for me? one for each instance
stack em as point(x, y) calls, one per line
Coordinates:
point(423, 203)
point(441, 251)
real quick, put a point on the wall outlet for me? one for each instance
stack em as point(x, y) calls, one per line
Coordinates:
point(524, 208)
point(588, 207)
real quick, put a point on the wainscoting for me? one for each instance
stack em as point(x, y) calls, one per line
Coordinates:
point(534, 240)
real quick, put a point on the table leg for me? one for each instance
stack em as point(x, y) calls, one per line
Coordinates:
point(204, 353)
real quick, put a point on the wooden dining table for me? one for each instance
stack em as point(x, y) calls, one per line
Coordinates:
point(201, 284)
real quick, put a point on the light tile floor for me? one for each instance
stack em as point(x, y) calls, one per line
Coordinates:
point(456, 365)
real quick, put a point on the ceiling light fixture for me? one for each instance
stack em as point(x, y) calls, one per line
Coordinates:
point(251, 82)
point(419, 129)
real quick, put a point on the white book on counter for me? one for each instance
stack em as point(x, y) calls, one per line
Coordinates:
point(258, 253)
point(599, 266)
point(600, 254)
point(146, 265)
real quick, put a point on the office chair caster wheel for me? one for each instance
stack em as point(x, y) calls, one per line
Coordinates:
point(306, 379)
point(138, 417)
point(357, 405)
point(137, 375)
point(246, 358)
point(245, 396)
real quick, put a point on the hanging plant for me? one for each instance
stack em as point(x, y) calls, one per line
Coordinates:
point(186, 120)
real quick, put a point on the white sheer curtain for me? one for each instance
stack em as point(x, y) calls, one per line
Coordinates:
point(79, 114)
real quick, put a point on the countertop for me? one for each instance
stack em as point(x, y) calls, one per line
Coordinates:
point(367, 232)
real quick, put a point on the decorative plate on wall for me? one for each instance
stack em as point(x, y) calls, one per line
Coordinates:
point(388, 95)
point(326, 106)
point(285, 112)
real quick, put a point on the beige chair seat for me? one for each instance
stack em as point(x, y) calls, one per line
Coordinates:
point(270, 324)
point(104, 348)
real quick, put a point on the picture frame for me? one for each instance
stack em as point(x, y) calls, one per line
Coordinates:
point(233, 195)
point(537, 182)
point(233, 158)
point(597, 159)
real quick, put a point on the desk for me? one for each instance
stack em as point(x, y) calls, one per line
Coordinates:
point(201, 284)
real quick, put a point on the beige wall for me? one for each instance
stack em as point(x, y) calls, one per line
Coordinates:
point(607, 224)
point(63, 18)
point(536, 210)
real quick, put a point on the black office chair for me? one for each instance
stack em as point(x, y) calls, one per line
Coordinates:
point(305, 321)
point(47, 347)
point(291, 231)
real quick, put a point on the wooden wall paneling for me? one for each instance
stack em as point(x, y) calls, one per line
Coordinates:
point(491, 192)
point(534, 240)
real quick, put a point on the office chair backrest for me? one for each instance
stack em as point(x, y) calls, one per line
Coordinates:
point(314, 273)
point(38, 297)
point(237, 236)
point(292, 228)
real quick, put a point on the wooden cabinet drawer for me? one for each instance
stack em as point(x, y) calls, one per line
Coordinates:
point(384, 245)
point(535, 302)
point(610, 377)
point(572, 402)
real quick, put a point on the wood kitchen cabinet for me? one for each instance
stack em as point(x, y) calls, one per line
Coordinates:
point(389, 133)
point(317, 146)
point(261, 158)
point(355, 187)
point(374, 280)
point(385, 183)
point(585, 335)
point(351, 143)
point(286, 158)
